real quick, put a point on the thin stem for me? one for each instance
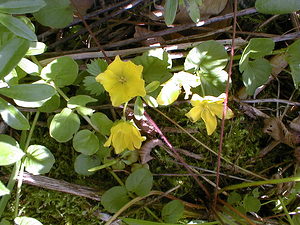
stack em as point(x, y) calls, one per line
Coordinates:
point(289, 218)
point(21, 173)
point(124, 111)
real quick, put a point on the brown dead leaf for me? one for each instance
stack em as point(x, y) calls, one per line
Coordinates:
point(295, 124)
point(82, 5)
point(147, 148)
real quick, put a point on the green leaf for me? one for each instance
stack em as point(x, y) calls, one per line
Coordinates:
point(234, 198)
point(160, 54)
point(9, 154)
point(169, 93)
point(138, 108)
point(170, 11)
point(93, 86)
point(114, 199)
point(296, 219)
point(256, 48)
point(29, 67)
point(11, 53)
point(29, 92)
point(36, 48)
point(17, 26)
point(152, 86)
point(293, 58)
point(213, 83)
point(3, 190)
point(96, 66)
point(251, 204)
point(56, 14)
point(4, 222)
point(24, 220)
point(12, 116)
point(193, 10)
point(102, 122)
point(63, 71)
point(9, 140)
point(51, 105)
point(255, 74)
point(64, 125)
point(86, 142)
point(17, 7)
point(39, 160)
point(85, 162)
point(131, 221)
point(80, 100)
point(150, 101)
point(154, 69)
point(277, 6)
point(207, 56)
point(172, 211)
point(140, 182)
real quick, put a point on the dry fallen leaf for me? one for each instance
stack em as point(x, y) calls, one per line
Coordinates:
point(83, 5)
point(146, 150)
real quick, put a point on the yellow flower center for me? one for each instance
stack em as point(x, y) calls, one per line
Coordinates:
point(122, 79)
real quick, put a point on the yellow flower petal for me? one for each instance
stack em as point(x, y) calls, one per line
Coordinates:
point(209, 120)
point(124, 135)
point(195, 113)
point(123, 81)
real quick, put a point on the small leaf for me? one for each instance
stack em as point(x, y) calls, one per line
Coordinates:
point(51, 105)
point(207, 56)
point(17, 26)
point(138, 108)
point(172, 211)
point(62, 71)
point(29, 67)
point(83, 163)
point(64, 125)
point(213, 83)
point(29, 92)
point(150, 101)
point(193, 10)
point(277, 6)
point(154, 69)
point(24, 220)
point(12, 116)
point(102, 122)
point(168, 94)
point(251, 204)
point(170, 11)
point(114, 199)
point(3, 190)
point(56, 14)
point(11, 52)
point(39, 160)
point(9, 154)
point(93, 86)
point(293, 59)
point(27, 6)
point(152, 86)
point(140, 182)
point(86, 142)
point(96, 66)
point(9, 140)
point(80, 100)
point(234, 198)
point(255, 74)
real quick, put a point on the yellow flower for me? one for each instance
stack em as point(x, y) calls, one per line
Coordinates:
point(123, 81)
point(124, 135)
point(208, 108)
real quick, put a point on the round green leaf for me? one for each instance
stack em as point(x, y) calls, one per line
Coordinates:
point(277, 6)
point(80, 100)
point(9, 140)
point(234, 198)
point(140, 182)
point(102, 122)
point(24, 220)
point(207, 56)
point(114, 199)
point(29, 92)
point(12, 116)
point(85, 162)
point(39, 160)
point(51, 105)
point(172, 211)
point(11, 52)
point(86, 142)
point(57, 13)
point(63, 71)
point(9, 154)
point(251, 204)
point(64, 125)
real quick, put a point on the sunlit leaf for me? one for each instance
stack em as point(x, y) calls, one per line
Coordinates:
point(102, 122)
point(24, 220)
point(9, 154)
point(3, 190)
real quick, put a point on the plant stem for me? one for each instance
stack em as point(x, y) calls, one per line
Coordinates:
point(289, 218)
point(124, 111)
point(21, 172)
